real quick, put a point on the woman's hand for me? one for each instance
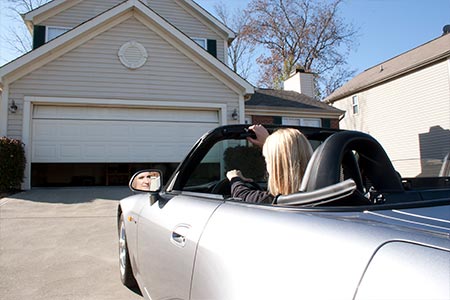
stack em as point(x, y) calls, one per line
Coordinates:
point(236, 173)
point(261, 135)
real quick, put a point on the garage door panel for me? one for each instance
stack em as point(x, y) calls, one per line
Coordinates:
point(86, 140)
point(95, 152)
point(120, 113)
point(70, 151)
point(42, 152)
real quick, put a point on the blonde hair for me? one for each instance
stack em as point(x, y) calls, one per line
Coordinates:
point(287, 152)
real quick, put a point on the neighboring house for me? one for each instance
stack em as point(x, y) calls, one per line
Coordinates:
point(112, 86)
point(295, 105)
point(404, 102)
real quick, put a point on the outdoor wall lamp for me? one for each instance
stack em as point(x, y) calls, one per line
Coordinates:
point(13, 107)
point(234, 115)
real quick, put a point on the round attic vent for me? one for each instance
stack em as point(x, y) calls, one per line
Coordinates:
point(132, 55)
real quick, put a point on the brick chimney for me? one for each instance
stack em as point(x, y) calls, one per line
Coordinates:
point(301, 82)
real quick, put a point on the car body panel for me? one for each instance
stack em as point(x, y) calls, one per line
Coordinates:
point(404, 270)
point(171, 230)
point(246, 257)
point(131, 207)
point(432, 220)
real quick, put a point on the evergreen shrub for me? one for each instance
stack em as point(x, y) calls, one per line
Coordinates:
point(12, 164)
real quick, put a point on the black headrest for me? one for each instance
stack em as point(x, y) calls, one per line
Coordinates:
point(324, 168)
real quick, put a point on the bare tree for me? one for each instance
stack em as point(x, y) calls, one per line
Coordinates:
point(24, 6)
point(306, 33)
point(18, 38)
point(240, 52)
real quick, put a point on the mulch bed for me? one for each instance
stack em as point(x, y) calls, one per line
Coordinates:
point(6, 194)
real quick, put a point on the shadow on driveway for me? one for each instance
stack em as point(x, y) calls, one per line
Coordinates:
point(61, 243)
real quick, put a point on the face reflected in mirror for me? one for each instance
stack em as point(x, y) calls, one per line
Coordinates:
point(146, 181)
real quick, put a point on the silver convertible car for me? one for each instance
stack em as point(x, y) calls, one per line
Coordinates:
point(355, 230)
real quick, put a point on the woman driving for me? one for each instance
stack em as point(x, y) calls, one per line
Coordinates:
point(286, 152)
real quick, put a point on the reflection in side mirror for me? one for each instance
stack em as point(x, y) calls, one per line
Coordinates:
point(146, 181)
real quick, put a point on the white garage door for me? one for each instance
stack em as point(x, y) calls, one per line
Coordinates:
point(101, 134)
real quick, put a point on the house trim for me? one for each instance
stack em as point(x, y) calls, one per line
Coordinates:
point(448, 68)
point(4, 110)
point(30, 101)
point(242, 112)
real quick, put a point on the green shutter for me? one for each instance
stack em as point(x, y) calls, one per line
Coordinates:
point(326, 123)
point(277, 120)
point(212, 47)
point(38, 36)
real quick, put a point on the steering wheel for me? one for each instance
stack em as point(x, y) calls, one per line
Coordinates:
point(223, 187)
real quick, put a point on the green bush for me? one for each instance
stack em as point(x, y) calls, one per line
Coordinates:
point(247, 159)
point(12, 164)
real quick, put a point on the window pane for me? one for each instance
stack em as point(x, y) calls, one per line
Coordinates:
point(291, 121)
point(53, 32)
point(201, 42)
point(311, 122)
point(355, 105)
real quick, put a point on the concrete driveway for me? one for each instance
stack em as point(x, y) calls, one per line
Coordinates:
point(61, 243)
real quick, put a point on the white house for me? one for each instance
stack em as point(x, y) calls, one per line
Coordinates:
point(404, 102)
point(112, 86)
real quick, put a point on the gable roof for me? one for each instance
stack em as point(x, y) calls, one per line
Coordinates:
point(426, 54)
point(86, 31)
point(282, 100)
point(54, 7)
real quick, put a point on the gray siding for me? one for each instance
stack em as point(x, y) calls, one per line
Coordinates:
point(410, 117)
point(80, 13)
point(190, 25)
point(168, 9)
point(93, 70)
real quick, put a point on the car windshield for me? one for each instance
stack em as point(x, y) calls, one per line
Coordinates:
point(224, 156)
point(209, 174)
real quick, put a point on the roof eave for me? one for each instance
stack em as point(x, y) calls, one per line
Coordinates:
point(230, 34)
point(48, 10)
point(271, 110)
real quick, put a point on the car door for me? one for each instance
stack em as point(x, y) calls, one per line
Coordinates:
point(168, 233)
point(169, 230)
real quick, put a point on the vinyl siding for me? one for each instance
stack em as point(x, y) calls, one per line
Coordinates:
point(403, 114)
point(168, 9)
point(189, 24)
point(80, 13)
point(93, 70)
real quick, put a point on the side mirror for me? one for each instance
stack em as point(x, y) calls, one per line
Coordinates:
point(149, 181)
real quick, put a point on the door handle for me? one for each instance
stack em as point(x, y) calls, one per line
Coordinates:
point(178, 239)
point(179, 235)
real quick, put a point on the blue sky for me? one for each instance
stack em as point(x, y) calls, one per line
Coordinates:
point(387, 28)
